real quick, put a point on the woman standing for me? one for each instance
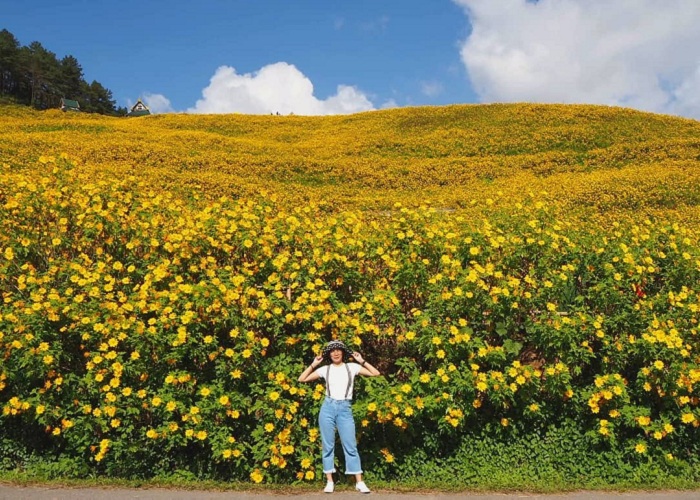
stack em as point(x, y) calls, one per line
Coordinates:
point(336, 411)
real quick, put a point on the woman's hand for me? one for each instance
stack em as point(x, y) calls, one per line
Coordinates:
point(309, 374)
point(367, 369)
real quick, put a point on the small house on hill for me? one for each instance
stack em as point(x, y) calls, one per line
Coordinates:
point(69, 105)
point(139, 109)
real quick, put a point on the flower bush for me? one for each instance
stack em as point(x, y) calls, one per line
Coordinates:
point(145, 329)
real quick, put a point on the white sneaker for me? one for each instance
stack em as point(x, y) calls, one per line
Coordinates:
point(362, 487)
point(330, 486)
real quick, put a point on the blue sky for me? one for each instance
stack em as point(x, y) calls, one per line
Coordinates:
point(327, 57)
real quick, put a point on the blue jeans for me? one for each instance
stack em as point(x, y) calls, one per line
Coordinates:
point(337, 414)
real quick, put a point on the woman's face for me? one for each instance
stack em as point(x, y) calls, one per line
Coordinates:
point(336, 355)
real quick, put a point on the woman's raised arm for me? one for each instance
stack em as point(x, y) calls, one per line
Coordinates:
point(367, 369)
point(309, 375)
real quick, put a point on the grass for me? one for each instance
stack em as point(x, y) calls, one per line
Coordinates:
point(423, 486)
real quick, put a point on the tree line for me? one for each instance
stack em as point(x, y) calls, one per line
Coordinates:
point(34, 76)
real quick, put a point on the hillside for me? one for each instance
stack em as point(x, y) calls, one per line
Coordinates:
point(590, 157)
point(149, 324)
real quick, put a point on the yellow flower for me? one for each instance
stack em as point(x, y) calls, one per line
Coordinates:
point(640, 448)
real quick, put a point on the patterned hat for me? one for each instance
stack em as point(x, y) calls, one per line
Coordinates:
point(333, 345)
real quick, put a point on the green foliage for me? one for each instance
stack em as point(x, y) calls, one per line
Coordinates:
point(33, 75)
point(549, 457)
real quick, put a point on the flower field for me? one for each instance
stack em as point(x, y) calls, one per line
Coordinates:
point(509, 269)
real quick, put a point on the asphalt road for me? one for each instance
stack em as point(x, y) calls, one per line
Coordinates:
point(12, 492)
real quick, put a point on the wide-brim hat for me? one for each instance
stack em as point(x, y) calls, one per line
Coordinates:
point(332, 346)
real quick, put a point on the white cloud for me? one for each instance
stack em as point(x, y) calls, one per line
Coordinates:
point(431, 89)
point(686, 97)
point(157, 103)
point(643, 54)
point(391, 103)
point(378, 25)
point(275, 88)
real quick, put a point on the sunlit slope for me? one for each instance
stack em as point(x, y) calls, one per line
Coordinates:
point(591, 157)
